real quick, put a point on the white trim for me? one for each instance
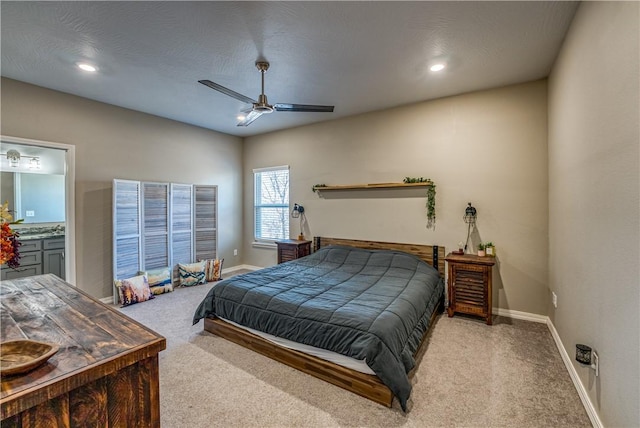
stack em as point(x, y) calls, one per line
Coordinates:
point(239, 267)
point(108, 301)
point(70, 199)
point(264, 244)
point(577, 383)
point(271, 168)
point(582, 391)
point(527, 316)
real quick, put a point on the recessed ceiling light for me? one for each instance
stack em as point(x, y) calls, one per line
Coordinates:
point(241, 117)
point(86, 67)
point(437, 67)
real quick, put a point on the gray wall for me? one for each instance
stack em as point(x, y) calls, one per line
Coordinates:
point(594, 207)
point(488, 147)
point(113, 142)
point(6, 189)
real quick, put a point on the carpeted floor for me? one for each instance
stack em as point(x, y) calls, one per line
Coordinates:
point(471, 375)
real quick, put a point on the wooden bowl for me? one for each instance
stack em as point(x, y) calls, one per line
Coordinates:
point(22, 356)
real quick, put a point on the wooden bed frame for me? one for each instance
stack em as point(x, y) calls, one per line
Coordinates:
point(368, 386)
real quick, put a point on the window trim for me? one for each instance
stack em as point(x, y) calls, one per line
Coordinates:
point(265, 242)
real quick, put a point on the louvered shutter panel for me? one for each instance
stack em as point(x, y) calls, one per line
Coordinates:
point(126, 230)
point(206, 241)
point(181, 223)
point(155, 225)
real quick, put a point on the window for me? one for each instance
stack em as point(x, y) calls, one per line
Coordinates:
point(271, 202)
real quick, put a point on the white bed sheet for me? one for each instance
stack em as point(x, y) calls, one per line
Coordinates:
point(342, 360)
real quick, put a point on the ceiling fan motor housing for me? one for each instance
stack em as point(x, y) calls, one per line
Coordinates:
point(262, 105)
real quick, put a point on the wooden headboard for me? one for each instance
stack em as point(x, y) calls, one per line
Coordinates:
point(431, 254)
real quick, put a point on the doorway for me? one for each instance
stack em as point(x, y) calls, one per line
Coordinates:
point(39, 166)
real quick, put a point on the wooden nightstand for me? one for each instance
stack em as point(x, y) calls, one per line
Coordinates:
point(290, 249)
point(469, 285)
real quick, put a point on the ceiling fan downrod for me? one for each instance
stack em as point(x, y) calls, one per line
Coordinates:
point(262, 105)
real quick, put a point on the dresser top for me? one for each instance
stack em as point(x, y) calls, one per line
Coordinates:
point(95, 339)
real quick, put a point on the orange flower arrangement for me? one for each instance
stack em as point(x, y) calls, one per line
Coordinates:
point(9, 239)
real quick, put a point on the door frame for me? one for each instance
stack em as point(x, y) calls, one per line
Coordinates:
point(70, 198)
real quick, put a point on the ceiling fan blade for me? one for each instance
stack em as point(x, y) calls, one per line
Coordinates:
point(303, 107)
point(253, 115)
point(227, 91)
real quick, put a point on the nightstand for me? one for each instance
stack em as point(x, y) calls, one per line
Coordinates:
point(469, 285)
point(290, 249)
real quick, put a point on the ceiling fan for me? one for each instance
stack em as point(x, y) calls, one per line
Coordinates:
point(262, 106)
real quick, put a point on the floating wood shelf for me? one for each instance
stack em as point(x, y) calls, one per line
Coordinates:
point(372, 186)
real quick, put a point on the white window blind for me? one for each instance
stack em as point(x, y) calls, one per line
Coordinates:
point(271, 203)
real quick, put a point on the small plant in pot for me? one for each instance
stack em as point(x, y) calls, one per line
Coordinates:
point(490, 249)
point(481, 248)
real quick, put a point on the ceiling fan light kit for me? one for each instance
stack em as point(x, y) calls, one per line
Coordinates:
point(262, 106)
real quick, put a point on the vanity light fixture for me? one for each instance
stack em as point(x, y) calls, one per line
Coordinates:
point(14, 157)
point(437, 67)
point(34, 163)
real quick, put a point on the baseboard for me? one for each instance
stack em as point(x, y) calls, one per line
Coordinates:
point(107, 300)
point(527, 316)
point(577, 382)
point(239, 267)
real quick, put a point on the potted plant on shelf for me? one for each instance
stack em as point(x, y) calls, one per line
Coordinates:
point(490, 249)
point(481, 248)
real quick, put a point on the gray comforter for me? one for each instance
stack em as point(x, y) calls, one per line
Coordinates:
point(366, 304)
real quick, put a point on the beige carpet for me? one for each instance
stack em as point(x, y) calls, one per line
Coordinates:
point(471, 375)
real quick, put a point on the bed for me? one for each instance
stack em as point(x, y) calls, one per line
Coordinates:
point(370, 301)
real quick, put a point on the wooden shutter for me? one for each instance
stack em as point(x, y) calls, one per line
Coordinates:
point(181, 223)
point(126, 230)
point(155, 225)
point(206, 232)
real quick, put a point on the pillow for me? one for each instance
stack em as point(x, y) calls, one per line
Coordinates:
point(133, 290)
point(191, 274)
point(213, 269)
point(159, 280)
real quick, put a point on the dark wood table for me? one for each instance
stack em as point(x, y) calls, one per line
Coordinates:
point(105, 373)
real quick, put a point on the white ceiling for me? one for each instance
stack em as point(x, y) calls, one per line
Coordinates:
point(358, 56)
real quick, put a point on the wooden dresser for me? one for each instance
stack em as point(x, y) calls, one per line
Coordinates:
point(469, 285)
point(105, 373)
point(290, 249)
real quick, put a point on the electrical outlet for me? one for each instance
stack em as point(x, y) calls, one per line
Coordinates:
point(29, 213)
point(554, 299)
point(235, 252)
point(596, 363)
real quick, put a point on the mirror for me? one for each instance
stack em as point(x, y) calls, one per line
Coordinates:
point(35, 190)
point(35, 198)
